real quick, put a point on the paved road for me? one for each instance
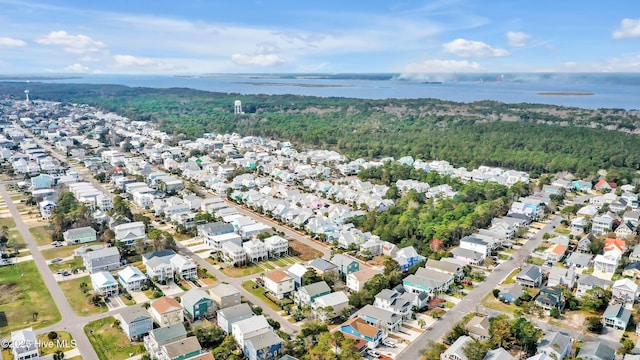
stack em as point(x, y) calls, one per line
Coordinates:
point(473, 299)
point(70, 321)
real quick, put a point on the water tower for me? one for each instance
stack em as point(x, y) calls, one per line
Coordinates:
point(26, 93)
point(237, 107)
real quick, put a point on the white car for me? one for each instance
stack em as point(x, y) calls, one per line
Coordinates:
point(389, 342)
point(374, 354)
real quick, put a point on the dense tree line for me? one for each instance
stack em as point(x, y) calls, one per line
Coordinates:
point(481, 133)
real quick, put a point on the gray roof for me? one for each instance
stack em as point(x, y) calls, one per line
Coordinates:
point(81, 231)
point(474, 240)
point(467, 253)
point(264, 340)
point(322, 264)
point(169, 332)
point(222, 290)
point(498, 354)
point(192, 296)
point(379, 314)
point(442, 266)
point(617, 311)
point(433, 275)
point(316, 288)
point(181, 347)
point(235, 311)
point(593, 350)
point(555, 340)
point(133, 313)
point(530, 272)
point(161, 254)
point(106, 252)
point(593, 281)
point(458, 345)
point(216, 228)
point(579, 259)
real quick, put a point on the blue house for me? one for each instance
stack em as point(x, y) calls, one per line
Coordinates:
point(360, 329)
point(136, 322)
point(42, 181)
point(197, 304)
point(263, 346)
point(407, 257)
point(582, 185)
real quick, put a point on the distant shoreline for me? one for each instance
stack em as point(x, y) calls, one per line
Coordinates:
point(565, 93)
point(257, 83)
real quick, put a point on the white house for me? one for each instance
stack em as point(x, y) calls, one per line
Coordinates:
point(104, 284)
point(276, 246)
point(256, 250)
point(131, 278)
point(25, 345)
point(356, 280)
point(128, 233)
point(278, 283)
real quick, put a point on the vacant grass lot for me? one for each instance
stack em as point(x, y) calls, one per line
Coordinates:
point(302, 251)
point(23, 293)
point(8, 222)
point(243, 271)
point(41, 235)
point(109, 341)
point(259, 293)
point(64, 340)
point(67, 265)
point(78, 300)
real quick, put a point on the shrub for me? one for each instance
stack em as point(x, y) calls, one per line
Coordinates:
point(496, 293)
point(52, 335)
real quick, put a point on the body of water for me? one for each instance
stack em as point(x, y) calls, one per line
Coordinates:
point(595, 90)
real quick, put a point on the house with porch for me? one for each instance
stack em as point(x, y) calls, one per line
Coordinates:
point(166, 311)
point(80, 235)
point(135, 321)
point(555, 344)
point(128, 233)
point(131, 278)
point(530, 276)
point(104, 284)
point(359, 329)
point(197, 304)
point(616, 316)
point(278, 283)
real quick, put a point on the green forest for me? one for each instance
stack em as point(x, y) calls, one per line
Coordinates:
point(530, 137)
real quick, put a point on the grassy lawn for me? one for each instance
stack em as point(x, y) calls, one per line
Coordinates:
point(67, 265)
point(259, 293)
point(536, 261)
point(242, 271)
point(8, 222)
point(23, 293)
point(280, 262)
point(110, 342)
point(77, 299)
point(127, 301)
point(562, 231)
point(61, 251)
point(14, 235)
point(62, 342)
point(511, 278)
point(492, 303)
point(41, 235)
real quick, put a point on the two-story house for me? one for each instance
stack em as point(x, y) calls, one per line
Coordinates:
point(356, 280)
point(225, 295)
point(135, 322)
point(104, 283)
point(166, 311)
point(131, 278)
point(197, 304)
point(278, 283)
point(80, 235)
point(105, 259)
point(306, 295)
point(346, 265)
point(530, 276)
point(128, 233)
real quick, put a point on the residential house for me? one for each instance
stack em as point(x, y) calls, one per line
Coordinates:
point(356, 280)
point(250, 327)
point(230, 315)
point(80, 235)
point(395, 301)
point(322, 266)
point(408, 257)
point(104, 283)
point(635, 254)
point(550, 297)
point(166, 311)
point(476, 244)
point(554, 253)
point(278, 283)
point(588, 282)
point(346, 265)
point(128, 233)
point(596, 350)
point(625, 231)
point(617, 316)
point(384, 319)
point(530, 276)
point(632, 270)
point(450, 268)
point(47, 208)
point(225, 295)
point(131, 278)
point(24, 344)
point(197, 304)
point(562, 277)
point(498, 354)
point(215, 234)
point(183, 267)
point(456, 350)
point(277, 246)
point(468, 257)
point(164, 264)
point(185, 349)
point(624, 290)
point(297, 271)
point(579, 260)
point(307, 294)
point(263, 346)
point(359, 329)
point(162, 336)
point(42, 181)
point(607, 262)
point(105, 259)
point(135, 322)
point(603, 224)
point(233, 254)
point(555, 344)
point(429, 282)
point(256, 250)
point(478, 328)
point(511, 294)
point(603, 184)
point(329, 306)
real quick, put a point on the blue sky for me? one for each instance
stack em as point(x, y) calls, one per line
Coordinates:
point(408, 37)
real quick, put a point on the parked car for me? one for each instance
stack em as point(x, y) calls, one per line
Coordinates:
point(389, 342)
point(56, 243)
point(56, 260)
point(466, 282)
point(374, 354)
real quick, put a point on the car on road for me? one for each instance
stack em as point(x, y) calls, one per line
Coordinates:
point(56, 244)
point(56, 260)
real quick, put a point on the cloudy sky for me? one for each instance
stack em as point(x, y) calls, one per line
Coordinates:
point(201, 36)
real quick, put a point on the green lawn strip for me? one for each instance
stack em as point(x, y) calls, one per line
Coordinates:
point(60, 251)
point(259, 293)
point(50, 346)
point(109, 341)
point(14, 235)
point(78, 300)
point(67, 265)
point(8, 222)
point(40, 235)
point(22, 295)
point(492, 303)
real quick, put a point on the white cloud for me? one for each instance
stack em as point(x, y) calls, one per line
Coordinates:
point(130, 62)
point(7, 42)
point(76, 68)
point(629, 28)
point(76, 44)
point(517, 39)
point(262, 60)
point(470, 48)
point(89, 59)
point(442, 66)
